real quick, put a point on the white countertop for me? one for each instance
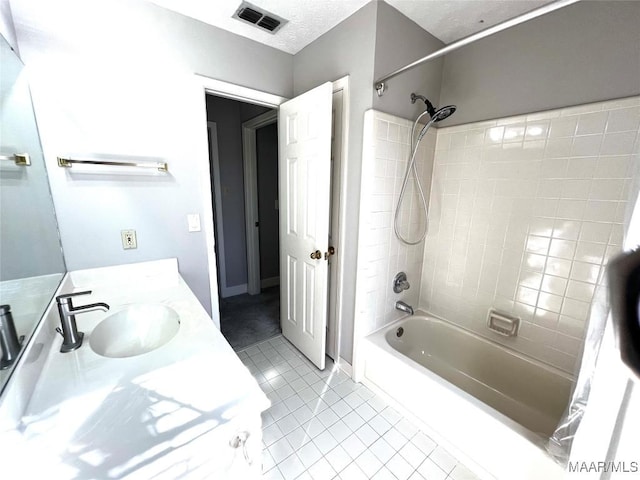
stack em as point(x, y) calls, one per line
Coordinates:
point(96, 417)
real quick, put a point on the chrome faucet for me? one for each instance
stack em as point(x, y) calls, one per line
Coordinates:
point(9, 340)
point(71, 337)
point(403, 307)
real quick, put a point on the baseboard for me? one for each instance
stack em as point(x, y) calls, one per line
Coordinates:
point(345, 366)
point(269, 282)
point(233, 291)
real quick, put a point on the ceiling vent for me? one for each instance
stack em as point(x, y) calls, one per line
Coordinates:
point(259, 18)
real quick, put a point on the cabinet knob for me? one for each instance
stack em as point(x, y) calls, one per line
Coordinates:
point(240, 440)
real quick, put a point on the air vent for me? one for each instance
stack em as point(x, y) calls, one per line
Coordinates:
point(269, 23)
point(258, 17)
point(249, 15)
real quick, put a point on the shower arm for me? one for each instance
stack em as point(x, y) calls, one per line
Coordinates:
point(381, 86)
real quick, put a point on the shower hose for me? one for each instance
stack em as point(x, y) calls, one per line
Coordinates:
point(411, 167)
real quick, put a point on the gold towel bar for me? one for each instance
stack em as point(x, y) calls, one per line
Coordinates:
point(19, 159)
point(68, 162)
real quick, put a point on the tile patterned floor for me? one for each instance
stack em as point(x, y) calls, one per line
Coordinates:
point(322, 425)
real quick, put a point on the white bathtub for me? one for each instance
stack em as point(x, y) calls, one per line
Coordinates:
point(492, 405)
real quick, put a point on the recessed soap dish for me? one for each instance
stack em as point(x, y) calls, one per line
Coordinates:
point(503, 323)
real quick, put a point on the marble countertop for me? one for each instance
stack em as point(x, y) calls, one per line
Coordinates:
point(94, 415)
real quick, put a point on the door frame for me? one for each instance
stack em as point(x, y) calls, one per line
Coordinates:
point(341, 84)
point(202, 86)
point(208, 85)
point(250, 163)
point(212, 128)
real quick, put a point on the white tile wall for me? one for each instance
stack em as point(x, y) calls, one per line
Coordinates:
point(525, 212)
point(386, 153)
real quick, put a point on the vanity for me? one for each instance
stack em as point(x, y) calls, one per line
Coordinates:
point(146, 385)
point(186, 408)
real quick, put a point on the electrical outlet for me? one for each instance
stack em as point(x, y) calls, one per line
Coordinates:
point(129, 239)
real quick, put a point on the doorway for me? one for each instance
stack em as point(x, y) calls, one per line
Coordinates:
point(246, 317)
point(338, 215)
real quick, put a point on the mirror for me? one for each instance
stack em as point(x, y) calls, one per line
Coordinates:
point(31, 260)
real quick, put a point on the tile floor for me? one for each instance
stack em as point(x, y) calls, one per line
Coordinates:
point(322, 425)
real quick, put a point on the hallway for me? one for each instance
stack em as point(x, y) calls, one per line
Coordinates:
point(249, 319)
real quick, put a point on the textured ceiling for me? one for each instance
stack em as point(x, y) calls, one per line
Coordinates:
point(448, 20)
point(451, 20)
point(307, 19)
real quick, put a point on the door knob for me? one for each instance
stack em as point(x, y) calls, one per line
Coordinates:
point(317, 255)
point(332, 251)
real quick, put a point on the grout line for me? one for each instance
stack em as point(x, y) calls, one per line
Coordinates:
point(343, 409)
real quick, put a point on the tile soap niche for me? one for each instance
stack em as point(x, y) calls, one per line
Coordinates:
point(503, 323)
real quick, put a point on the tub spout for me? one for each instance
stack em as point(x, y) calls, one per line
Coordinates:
point(403, 307)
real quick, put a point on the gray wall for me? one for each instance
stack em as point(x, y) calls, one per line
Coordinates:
point(226, 114)
point(267, 151)
point(115, 77)
point(587, 52)
point(347, 49)
point(229, 116)
point(400, 41)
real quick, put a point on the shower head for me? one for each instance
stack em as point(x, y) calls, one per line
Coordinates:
point(443, 113)
point(436, 115)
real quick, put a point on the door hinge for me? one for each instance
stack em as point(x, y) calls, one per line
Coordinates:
point(332, 251)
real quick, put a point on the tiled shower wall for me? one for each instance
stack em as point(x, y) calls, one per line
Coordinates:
point(380, 254)
point(525, 212)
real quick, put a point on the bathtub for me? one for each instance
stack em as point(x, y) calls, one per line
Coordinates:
point(493, 407)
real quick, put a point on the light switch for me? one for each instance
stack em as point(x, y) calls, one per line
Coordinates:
point(193, 219)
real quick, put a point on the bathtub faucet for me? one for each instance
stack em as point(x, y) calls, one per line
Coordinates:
point(403, 307)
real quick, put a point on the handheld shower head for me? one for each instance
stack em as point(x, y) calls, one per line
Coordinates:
point(443, 113)
point(436, 115)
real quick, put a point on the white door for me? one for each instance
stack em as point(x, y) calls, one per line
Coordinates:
point(304, 184)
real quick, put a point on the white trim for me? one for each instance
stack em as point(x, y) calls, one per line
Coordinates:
point(249, 159)
point(237, 92)
point(342, 84)
point(233, 291)
point(217, 189)
point(345, 366)
point(270, 282)
point(203, 165)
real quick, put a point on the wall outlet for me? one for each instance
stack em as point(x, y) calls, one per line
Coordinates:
point(129, 239)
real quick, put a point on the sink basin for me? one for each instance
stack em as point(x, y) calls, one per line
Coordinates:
point(135, 330)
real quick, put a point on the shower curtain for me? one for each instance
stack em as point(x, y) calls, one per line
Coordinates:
point(591, 428)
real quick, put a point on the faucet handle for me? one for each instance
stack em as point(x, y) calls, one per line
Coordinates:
point(69, 295)
point(400, 282)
